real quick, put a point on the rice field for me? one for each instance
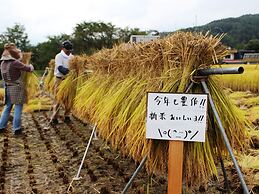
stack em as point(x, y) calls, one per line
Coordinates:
point(247, 81)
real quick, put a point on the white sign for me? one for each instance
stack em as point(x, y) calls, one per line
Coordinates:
point(175, 116)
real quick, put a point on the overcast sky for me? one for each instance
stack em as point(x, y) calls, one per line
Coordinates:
point(53, 17)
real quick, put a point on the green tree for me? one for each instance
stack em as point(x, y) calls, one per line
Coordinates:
point(17, 35)
point(92, 36)
point(239, 31)
point(253, 45)
point(89, 37)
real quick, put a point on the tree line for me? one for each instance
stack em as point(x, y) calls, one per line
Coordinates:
point(89, 37)
point(240, 33)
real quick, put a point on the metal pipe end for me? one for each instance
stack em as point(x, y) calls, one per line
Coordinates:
point(241, 70)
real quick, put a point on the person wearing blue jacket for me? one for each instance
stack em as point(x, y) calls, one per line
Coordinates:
point(60, 71)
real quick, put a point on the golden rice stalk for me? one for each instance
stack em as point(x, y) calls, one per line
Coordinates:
point(68, 88)
point(31, 85)
point(89, 95)
point(26, 57)
point(137, 141)
point(66, 91)
point(31, 81)
point(79, 64)
point(114, 97)
point(49, 80)
point(124, 113)
point(247, 81)
point(2, 94)
point(232, 118)
point(38, 104)
point(206, 154)
point(112, 103)
point(71, 85)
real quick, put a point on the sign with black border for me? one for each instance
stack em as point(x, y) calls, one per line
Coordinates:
point(176, 116)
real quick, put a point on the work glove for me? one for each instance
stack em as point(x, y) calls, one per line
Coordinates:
point(31, 66)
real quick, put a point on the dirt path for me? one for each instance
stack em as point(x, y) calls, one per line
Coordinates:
point(45, 160)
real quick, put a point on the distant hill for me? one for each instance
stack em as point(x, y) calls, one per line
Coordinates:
point(239, 30)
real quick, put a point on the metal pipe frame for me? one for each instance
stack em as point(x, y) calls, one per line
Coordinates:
point(220, 71)
point(134, 174)
point(225, 138)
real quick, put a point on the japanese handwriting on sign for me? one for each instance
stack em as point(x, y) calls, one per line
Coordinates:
point(194, 101)
point(198, 118)
point(160, 100)
point(182, 101)
point(176, 116)
point(153, 116)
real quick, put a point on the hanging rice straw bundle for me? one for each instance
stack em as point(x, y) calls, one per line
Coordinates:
point(38, 104)
point(234, 122)
point(49, 80)
point(115, 98)
point(70, 86)
point(2, 94)
point(90, 95)
point(26, 57)
point(31, 80)
point(111, 104)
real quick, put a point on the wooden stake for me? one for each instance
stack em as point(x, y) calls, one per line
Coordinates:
point(175, 167)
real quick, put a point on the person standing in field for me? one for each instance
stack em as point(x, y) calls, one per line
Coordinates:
point(15, 93)
point(61, 69)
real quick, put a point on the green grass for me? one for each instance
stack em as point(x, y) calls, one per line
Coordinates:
point(39, 72)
